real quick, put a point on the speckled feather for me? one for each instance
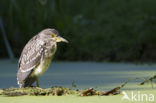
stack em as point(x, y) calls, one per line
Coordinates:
point(37, 50)
point(30, 58)
point(31, 54)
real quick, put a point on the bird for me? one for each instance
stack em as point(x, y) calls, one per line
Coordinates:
point(36, 56)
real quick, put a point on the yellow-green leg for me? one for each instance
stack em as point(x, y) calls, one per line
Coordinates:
point(37, 82)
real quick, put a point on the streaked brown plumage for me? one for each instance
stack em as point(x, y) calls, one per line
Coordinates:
point(36, 56)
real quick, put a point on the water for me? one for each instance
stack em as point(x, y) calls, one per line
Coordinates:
point(84, 74)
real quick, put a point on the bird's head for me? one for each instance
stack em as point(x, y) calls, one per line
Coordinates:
point(52, 34)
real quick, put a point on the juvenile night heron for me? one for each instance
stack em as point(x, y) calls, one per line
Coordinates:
point(36, 56)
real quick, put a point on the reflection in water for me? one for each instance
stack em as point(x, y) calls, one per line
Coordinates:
point(84, 74)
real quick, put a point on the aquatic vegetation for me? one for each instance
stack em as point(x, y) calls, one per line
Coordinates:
point(55, 91)
point(36, 91)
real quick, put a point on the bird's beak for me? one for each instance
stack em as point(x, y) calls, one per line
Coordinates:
point(60, 39)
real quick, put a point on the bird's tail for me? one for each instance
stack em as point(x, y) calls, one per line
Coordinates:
point(24, 79)
point(29, 81)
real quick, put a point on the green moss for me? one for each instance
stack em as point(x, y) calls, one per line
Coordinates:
point(35, 91)
point(1, 91)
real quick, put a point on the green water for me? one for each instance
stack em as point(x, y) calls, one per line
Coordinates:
point(84, 74)
point(78, 99)
point(101, 76)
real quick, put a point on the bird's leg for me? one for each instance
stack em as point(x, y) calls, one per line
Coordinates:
point(20, 85)
point(37, 82)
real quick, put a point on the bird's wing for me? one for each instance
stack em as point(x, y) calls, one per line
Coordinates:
point(31, 54)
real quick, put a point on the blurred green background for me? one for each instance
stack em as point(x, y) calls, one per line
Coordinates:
point(98, 30)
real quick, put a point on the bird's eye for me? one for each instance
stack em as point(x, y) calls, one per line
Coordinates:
point(52, 35)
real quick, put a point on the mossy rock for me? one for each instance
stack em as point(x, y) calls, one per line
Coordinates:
point(55, 91)
point(36, 91)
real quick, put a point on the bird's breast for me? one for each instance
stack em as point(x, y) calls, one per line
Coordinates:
point(50, 49)
point(45, 61)
point(42, 67)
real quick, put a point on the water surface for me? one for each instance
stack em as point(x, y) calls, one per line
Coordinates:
point(84, 74)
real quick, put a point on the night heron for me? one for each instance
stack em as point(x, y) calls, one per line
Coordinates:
point(36, 56)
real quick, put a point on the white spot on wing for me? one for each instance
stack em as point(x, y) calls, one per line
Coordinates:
point(27, 69)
